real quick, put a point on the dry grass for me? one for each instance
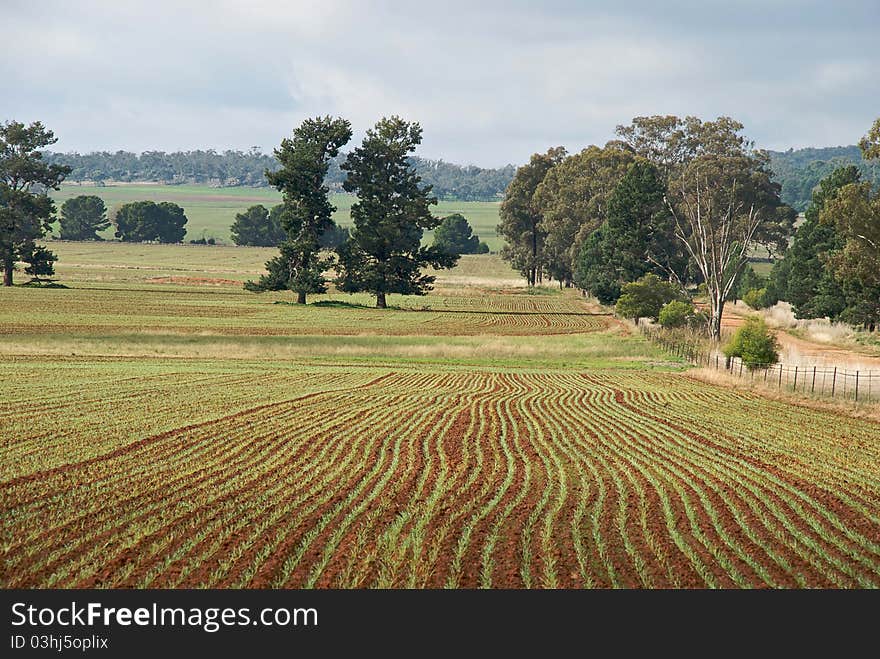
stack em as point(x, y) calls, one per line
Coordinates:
point(868, 411)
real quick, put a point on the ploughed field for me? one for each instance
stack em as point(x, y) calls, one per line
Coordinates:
point(189, 434)
point(161, 475)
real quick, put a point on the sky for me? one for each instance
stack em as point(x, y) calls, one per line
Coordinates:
point(489, 82)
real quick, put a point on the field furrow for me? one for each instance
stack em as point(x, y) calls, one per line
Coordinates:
point(440, 477)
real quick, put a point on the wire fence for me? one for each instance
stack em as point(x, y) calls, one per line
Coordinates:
point(826, 381)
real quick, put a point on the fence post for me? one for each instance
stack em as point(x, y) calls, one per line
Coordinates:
point(740, 367)
point(780, 377)
point(833, 382)
point(857, 386)
point(813, 386)
point(794, 387)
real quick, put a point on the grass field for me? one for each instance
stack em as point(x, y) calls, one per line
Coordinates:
point(211, 211)
point(162, 432)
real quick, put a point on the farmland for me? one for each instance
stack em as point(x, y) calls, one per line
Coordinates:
point(211, 211)
point(162, 432)
point(296, 476)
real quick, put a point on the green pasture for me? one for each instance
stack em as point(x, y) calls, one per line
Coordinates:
point(211, 211)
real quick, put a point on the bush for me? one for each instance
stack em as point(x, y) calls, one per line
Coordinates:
point(756, 298)
point(482, 248)
point(645, 297)
point(675, 314)
point(754, 343)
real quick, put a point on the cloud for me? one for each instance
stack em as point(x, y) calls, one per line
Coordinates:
point(490, 82)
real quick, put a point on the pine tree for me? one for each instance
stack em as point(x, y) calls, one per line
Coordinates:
point(25, 207)
point(307, 211)
point(384, 254)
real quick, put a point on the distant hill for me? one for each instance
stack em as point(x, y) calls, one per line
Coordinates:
point(799, 171)
point(247, 168)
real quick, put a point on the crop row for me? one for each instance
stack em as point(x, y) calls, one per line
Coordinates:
point(457, 479)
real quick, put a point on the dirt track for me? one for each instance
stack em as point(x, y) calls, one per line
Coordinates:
point(795, 350)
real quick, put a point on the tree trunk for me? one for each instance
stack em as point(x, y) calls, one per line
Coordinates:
point(300, 297)
point(715, 321)
point(380, 300)
point(8, 264)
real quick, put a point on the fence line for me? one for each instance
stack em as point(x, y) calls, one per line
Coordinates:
point(829, 381)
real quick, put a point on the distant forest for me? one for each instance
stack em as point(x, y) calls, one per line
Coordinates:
point(799, 171)
point(233, 168)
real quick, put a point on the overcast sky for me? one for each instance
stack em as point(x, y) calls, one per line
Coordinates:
point(490, 82)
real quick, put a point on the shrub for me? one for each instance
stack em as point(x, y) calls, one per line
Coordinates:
point(754, 343)
point(675, 314)
point(756, 298)
point(645, 297)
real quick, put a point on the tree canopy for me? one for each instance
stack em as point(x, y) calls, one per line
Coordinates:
point(854, 212)
point(754, 343)
point(455, 236)
point(799, 171)
point(521, 219)
point(870, 143)
point(572, 202)
point(83, 217)
point(25, 207)
point(802, 277)
point(645, 297)
point(258, 227)
point(721, 205)
point(636, 236)
point(247, 168)
point(147, 221)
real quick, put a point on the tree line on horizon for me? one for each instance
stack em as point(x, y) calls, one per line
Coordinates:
point(798, 171)
point(247, 168)
point(687, 202)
